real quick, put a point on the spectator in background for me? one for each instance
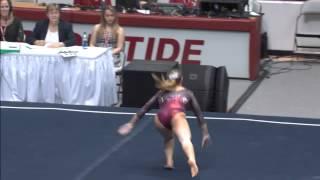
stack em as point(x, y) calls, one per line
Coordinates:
point(92, 3)
point(52, 32)
point(109, 33)
point(11, 28)
point(187, 3)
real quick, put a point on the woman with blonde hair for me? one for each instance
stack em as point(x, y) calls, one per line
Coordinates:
point(108, 33)
point(171, 118)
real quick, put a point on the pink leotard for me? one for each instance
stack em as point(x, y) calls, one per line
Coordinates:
point(170, 103)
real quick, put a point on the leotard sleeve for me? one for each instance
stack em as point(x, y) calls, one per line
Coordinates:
point(197, 111)
point(146, 107)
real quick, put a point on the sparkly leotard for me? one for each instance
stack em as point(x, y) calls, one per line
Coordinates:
point(170, 103)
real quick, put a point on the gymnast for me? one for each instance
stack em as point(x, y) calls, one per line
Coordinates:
point(170, 120)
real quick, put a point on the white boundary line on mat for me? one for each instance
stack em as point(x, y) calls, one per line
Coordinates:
point(152, 114)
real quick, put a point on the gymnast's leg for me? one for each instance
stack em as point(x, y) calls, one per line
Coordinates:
point(168, 143)
point(181, 129)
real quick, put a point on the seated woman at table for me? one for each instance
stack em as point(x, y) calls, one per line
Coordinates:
point(52, 32)
point(109, 33)
point(11, 28)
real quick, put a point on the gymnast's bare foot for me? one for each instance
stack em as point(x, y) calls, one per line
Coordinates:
point(193, 168)
point(169, 166)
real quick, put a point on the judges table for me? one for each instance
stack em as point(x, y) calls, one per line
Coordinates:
point(70, 75)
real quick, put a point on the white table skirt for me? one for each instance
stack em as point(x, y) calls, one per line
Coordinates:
point(53, 79)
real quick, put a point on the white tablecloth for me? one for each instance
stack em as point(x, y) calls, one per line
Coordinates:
point(42, 75)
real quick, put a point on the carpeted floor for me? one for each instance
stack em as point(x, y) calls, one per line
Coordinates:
point(80, 143)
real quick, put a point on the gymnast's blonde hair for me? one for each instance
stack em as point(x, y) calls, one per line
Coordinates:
point(168, 83)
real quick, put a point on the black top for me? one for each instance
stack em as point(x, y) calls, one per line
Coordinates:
point(14, 32)
point(65, 30)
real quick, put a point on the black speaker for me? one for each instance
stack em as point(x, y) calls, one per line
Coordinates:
point(138, 84)
point(200, 79)
point(221, 90)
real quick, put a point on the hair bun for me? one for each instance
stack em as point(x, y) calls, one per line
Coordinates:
point(174, 75)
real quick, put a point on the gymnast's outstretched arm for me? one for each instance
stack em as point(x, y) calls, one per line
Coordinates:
point(127, 127)
point(145, 108)
point(201, 121)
